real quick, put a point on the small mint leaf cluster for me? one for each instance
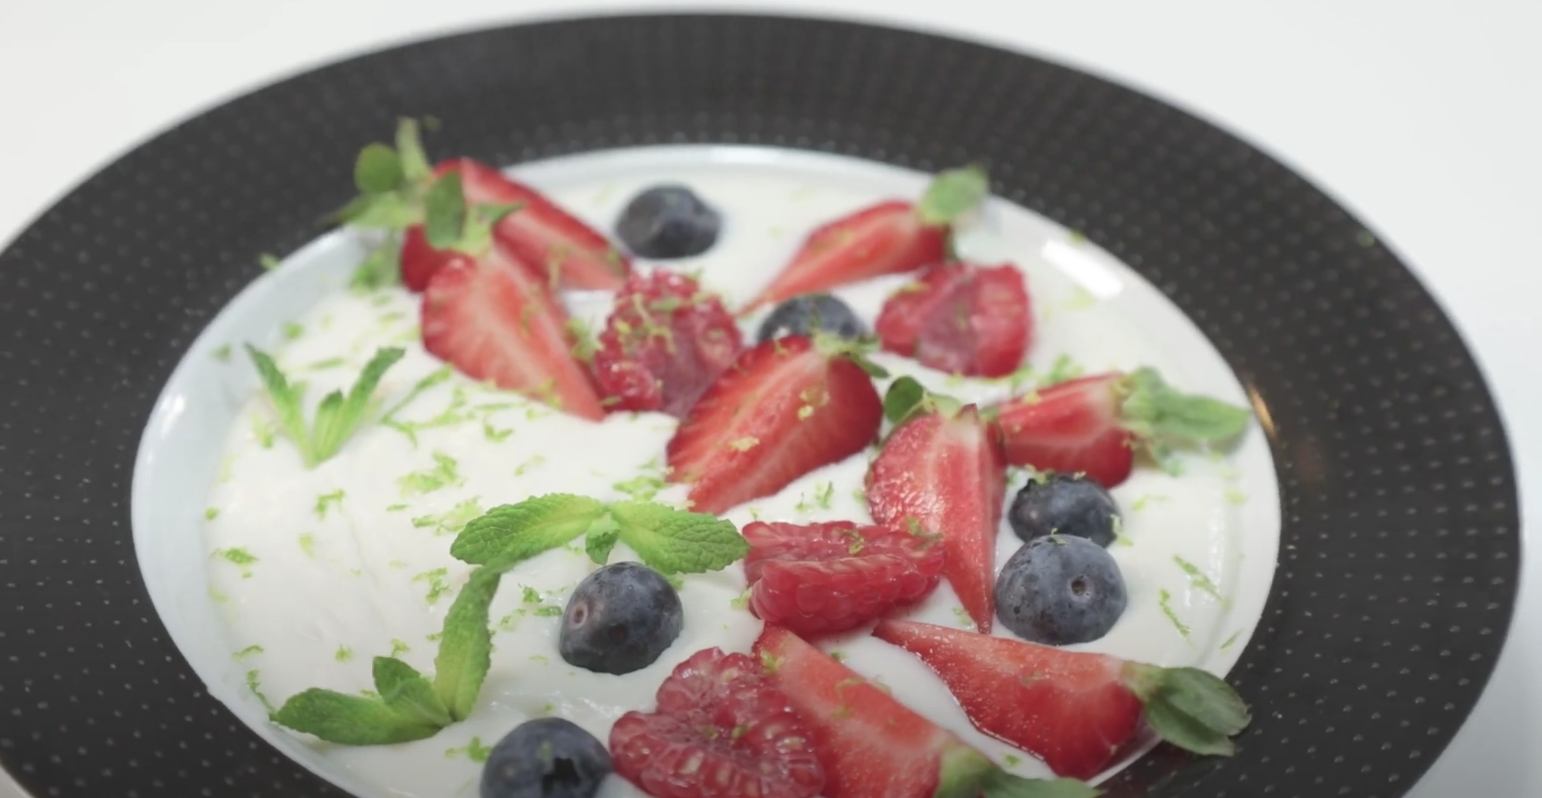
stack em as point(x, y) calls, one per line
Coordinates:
point(337, 417)
point(668, 540)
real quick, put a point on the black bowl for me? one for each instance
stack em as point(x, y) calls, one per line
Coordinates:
point(1397, 571)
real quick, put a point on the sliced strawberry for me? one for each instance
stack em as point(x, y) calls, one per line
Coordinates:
point(783, 409)
point(831, 577)
point(420, 260)
point(665, 342)
point(872, 746)
point(721, 730)
point(1074, 710)
point(945, 472)
point(558, 245)
point(1093, 425)
point(493, 321)
point(887, 238)
point(1072, 427)
point(962, 319)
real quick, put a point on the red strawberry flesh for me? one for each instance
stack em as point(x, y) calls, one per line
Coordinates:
point(870, 744)
point(947, 475)
point(495, 322)
point(664, 344)
point(1073, 427)
point(721, 730)
point(541, 234)
point(831, 577)
point(888, 238)
point(783, 409)
point(421, 261)
point(1071, 709)
point(962, 319)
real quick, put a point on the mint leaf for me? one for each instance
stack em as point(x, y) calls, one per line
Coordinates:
point(520, 531)
point(409, 148)
point(952, 194)
point(997, 783)
point(287, 401)
point(675, 541)
point(1188, 707)
point(444, 212)
point(338, 416)
point(903, 397)
point(378, 169)
point(405, 692)
point(350, 719)
point(600, 539)
point(466, 644)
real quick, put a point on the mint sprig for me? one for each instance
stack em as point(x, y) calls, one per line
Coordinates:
point(408, 705)
point(668, 540)
point(337, 417)
point(406, 709)
point(1188, 707)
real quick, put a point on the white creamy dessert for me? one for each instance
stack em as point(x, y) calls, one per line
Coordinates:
point(314, 572)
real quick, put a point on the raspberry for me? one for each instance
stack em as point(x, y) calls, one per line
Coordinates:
point(665, 342)
point(721, 730)
point(831, 577)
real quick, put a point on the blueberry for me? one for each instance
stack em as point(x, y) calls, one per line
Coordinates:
point(668, 222)
point(1060, 590)
point(1064, 505)
point(545, 758)
point(620, 619)
point(802, 315)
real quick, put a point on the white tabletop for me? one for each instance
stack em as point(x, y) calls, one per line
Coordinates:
point(1424, 117)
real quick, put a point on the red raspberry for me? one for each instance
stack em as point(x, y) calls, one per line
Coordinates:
point(831, 577)
point(721, 730)
point(665, 342)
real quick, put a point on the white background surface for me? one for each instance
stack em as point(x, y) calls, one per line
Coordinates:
point(1423, 117)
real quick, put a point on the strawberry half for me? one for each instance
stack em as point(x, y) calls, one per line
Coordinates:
point(1094, 424)
point(420, 260)
point(557, 244)
point(944, 471)
point(491, 319)
point(887, 238)
point(1075, 710)
point(962, 319)
point(664, 344)
point(721, 730)
point(783, 409)
point(872, 746)
point(831, 577)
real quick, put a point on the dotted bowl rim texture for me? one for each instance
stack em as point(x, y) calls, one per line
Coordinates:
point(1400, 543)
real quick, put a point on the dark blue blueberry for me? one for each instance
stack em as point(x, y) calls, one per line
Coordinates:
point(666, 222)
point(620, 619)
point(1064, 505)
point(545, 758)
point(802, 315)
point(1059, 591)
